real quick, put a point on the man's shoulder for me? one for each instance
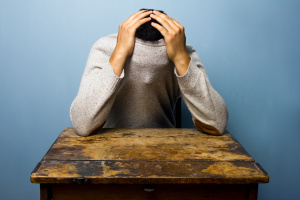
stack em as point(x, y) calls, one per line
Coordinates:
point(112, 36)
point(189, 47)
point(106, 41)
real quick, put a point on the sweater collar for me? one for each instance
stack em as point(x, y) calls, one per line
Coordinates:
point(160, 42)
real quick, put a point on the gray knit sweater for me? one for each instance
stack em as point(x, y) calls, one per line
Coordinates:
point(145, 94)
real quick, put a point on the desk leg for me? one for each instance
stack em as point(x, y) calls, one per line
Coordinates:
point(45, 192)
point(252, 192)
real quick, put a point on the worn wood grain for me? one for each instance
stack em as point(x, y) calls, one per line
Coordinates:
point(156, 172)
point(147, 144)
point(153, 156)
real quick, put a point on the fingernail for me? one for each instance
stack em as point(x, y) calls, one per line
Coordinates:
point(151, 15)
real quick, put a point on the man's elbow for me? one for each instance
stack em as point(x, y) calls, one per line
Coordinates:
point(81, 125)
point(208, 128)
point(82, 131)
point(85, 130)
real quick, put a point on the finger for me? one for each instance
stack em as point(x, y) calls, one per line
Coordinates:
point(162, 21)
point(140, 16)
point(140, 22)
point(134, 15)
point(170, 25)
point(144, 14)
point(164, 16)
point(178, 25)
point(173, 22)
point(161, 29)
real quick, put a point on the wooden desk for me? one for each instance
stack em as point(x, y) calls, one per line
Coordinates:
point(147, 164)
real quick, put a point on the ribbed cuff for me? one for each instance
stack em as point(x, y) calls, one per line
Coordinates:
point(110, 79)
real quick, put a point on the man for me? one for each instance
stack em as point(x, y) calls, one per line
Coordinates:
point(131, 82)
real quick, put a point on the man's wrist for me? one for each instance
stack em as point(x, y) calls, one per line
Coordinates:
point(182, 63)
point(117, 62)
point(121, 52)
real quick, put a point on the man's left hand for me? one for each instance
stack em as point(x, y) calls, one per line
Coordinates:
point(175, 40)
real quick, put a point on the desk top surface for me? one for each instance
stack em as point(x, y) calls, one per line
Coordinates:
point(147, 156)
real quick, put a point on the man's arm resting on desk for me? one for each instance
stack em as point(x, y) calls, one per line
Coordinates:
point(207, 107)
point(97, 90)
point(102, 75)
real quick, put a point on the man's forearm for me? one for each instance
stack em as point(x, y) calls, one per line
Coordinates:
point(117, 61)
point(126, 38)
point(208, 108)
point(182, 64)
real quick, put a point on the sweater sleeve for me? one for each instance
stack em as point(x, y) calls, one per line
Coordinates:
point(208, 108)
point(97, 91)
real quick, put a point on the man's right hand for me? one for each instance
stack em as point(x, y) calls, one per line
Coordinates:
point(126, 38)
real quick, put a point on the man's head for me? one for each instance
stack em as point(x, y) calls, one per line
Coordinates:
point(147, 31)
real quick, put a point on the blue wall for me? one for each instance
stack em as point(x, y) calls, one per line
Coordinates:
point(249, 48)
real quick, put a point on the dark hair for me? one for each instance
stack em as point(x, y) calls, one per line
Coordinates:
point(147, 31)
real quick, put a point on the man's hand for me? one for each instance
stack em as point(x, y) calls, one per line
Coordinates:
point(126, 38)
point(175, 40)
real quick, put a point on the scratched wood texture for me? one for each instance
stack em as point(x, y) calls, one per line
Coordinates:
point(148, 156)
